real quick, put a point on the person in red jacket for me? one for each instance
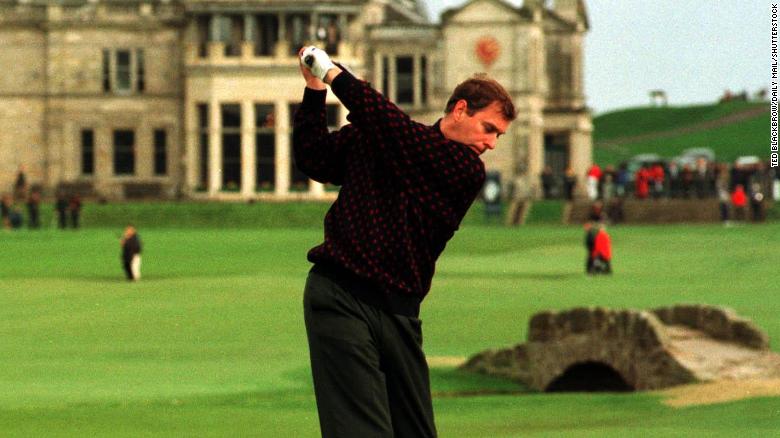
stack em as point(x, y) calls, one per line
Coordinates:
point(642, 181)
point(405, 187)
point(739, 201)
point(602, 252)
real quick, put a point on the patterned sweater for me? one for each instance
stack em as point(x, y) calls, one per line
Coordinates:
point(404, 187)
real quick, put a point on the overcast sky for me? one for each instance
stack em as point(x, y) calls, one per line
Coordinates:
point(692, 49)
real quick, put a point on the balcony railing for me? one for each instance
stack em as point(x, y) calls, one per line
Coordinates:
point(283, 53)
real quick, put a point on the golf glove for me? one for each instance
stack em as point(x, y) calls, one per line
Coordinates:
point(317, 60)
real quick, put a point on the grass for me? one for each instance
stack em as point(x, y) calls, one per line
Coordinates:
point(645, 120)
point(205, 215)
point(749, 137)
point(545, 211)
point(211, 341)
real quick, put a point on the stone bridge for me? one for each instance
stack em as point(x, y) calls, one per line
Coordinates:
point(593, 349)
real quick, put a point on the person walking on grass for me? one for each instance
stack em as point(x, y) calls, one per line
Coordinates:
point(131, 253)
point(405, 188)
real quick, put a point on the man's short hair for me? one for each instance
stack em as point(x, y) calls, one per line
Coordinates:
point(479, 92)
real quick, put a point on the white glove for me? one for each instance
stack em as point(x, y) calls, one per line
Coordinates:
point(317, 60)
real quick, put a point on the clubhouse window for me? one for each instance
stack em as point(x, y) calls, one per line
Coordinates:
point(124, 152)
point(87, 152)
point(265, 144)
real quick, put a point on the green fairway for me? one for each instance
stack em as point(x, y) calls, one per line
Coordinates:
point(211, 341)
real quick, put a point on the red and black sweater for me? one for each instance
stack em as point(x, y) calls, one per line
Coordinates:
point(404, 187)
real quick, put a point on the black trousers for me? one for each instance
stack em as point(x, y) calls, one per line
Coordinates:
point(370, 373)
point(127, 266)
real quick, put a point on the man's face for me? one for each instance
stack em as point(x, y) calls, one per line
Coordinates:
point(480, 132)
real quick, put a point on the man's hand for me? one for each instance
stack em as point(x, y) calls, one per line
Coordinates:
point(317, 60)
point(312, 81)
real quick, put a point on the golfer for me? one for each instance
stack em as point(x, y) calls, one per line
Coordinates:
point(405, 187)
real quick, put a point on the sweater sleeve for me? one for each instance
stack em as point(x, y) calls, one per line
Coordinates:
point(318, 153)
point(429, 167)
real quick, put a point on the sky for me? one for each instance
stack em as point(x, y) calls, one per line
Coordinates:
point(692, 49)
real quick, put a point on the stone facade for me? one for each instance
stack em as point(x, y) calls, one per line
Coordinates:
point(195, 98)
point(646, 349)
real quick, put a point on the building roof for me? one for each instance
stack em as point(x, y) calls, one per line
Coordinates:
point(525, 13)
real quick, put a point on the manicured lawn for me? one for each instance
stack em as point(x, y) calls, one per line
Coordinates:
point(211, 341)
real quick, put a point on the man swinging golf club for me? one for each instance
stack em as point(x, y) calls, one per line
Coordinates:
point(405, 187)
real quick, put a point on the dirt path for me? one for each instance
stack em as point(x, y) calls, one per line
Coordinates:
point(721, 391)
point(445, 361)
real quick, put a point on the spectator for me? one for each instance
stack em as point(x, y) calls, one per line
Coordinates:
point(131, 253)
point(657, 176)
point(61, 205)
point(642, 181)
point(590, 241)
point(739, 176)
point(701, 178)
point(621, 180)
point(608, 187)
point(608, 183)
point(722, 177)
point(33, 216)
point(569, 182)
point(757, 202)
point(20, 185)
point(602, 252)
point(6, 206)
point(674, 180)
point(594, 176)
point(686, 180)
point(712, 176)
point(739, 201)
point(74, 207)
point(723, 199)
point(15, 218)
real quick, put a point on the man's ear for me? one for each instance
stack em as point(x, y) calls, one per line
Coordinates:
point(461, 106)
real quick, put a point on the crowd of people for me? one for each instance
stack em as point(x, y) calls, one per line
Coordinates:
point(742, 190)
point(26, 197)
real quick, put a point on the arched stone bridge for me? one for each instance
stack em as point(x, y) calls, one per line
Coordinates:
point(591, 349)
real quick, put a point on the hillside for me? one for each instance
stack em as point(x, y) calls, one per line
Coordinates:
point(731, 130)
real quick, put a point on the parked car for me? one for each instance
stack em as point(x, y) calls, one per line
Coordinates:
point(706, 153)
point(747, 161)
point(690, 156)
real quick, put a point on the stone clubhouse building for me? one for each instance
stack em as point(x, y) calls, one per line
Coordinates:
point(195, 98)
